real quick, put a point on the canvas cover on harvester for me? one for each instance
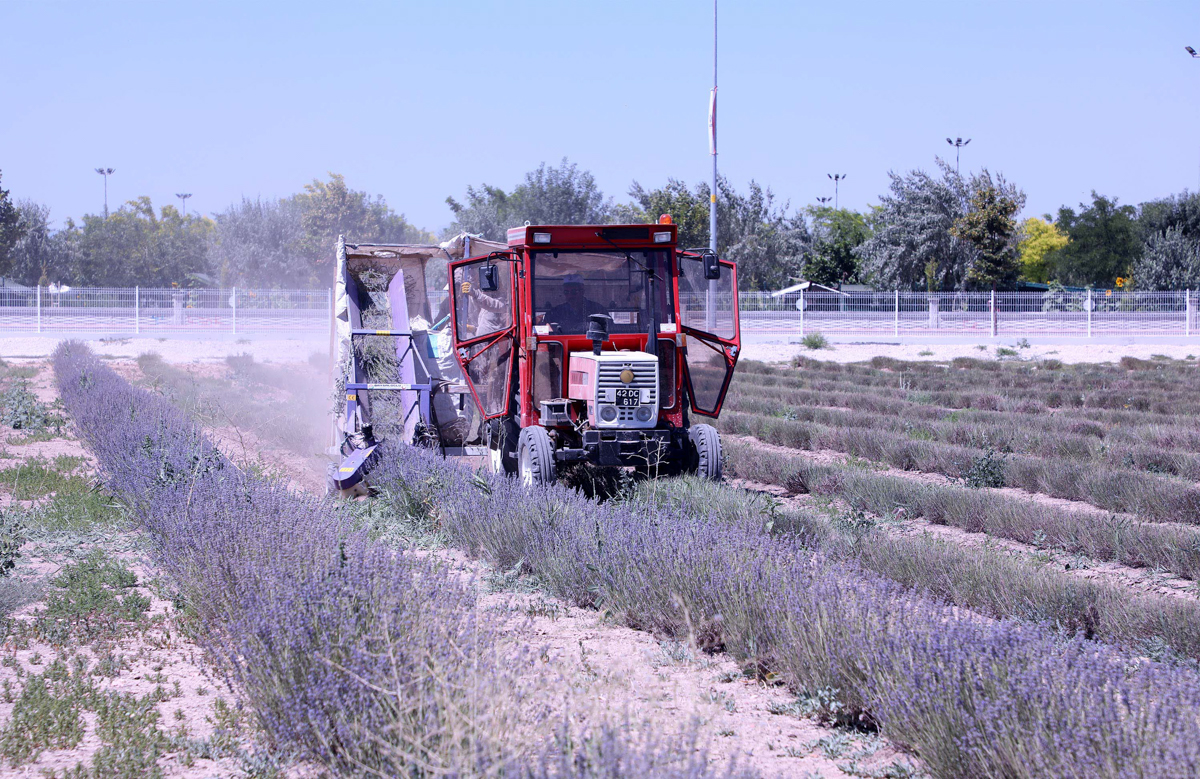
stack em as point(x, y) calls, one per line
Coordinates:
point(367, 273)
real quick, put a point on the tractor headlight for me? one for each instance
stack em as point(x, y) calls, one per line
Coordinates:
point(608, 413)
point(643, 413)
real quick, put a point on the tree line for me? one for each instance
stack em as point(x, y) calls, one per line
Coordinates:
point(932, 230)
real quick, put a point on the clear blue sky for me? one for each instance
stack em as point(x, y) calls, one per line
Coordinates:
point(415, 101)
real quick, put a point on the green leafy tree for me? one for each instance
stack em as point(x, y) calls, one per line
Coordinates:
point(331, 208)
point(136, 246)
point(688, 209)
point(1170, 260)
point(10, 230)
point(564, 195)
point(1040, 238)
point(913, 243)
point(37, 252)
point(989, 226)
point(1105, 243)
point(1180, 211)
point(767, 243)
point(256, 243)
point(836, 233)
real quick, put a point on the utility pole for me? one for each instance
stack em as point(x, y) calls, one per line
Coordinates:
point(711, 298)
point(712, 143)
point(105, 172)
point(957, 143)
point(836, 178)
point(1194, 54)
point(183, 196)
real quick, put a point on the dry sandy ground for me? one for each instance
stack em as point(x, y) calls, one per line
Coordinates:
point(276, 350)
point(174, 350)
point(1068, 351)
point(155, 654)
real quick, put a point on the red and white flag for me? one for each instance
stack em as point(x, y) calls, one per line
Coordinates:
point(712, 121)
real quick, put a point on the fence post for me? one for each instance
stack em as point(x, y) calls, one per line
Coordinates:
point(1089, 310)
point(993, 308)
point(233, 305)
point(896, 321)
point(39, 308)
point(802, 304)
point(1187, 307)
point(137, 310)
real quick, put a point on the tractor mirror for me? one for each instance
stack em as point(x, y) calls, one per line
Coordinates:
point(488, 278)
point(712, 266)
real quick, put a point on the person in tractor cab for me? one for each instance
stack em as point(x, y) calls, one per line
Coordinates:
point(488, 314)
point(572, 314)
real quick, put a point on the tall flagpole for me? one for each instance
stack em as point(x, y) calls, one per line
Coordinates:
point(712, 142)
point(711, 294)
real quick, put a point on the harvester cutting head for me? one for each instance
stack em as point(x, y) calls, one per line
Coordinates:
point(394, 366)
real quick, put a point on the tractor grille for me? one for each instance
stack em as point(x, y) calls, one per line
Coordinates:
point(645, 377)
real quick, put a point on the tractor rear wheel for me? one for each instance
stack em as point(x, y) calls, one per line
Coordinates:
point(535, 457)
point(706, 452)
point(502, 446)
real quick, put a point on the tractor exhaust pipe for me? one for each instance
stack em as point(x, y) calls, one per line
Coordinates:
point(598, 330)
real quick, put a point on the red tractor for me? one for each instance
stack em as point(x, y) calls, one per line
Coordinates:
point(597, 344)
point(579, 344)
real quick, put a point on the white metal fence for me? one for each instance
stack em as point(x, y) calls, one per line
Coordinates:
point(151, 312)
point(894, 314)
point(1082, 314)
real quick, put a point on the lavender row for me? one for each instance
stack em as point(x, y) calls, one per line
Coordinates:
point(1158, 498)
point(973, 697)
point(351, 656)
point(980, 577)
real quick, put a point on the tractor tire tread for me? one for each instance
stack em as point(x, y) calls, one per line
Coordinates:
point(706, 448)
point(536, 441)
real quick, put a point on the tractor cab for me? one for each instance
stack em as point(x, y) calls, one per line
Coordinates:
point(596, 344)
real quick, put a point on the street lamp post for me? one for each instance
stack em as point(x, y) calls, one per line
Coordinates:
point(183, 196)
point(823, 200)
point(105, 172)
point(957, 143)
point(837, 177)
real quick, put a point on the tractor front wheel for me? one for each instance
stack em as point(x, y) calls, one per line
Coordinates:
point(706, 452)
point(535, 457)
point(502, 441)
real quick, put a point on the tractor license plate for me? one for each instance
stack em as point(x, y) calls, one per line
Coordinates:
point(629, 397)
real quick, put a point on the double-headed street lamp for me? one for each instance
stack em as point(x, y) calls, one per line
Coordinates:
point(183, 196)
point(105, 172)
point(957, 143)
point(836, 178)
point(823, 200)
